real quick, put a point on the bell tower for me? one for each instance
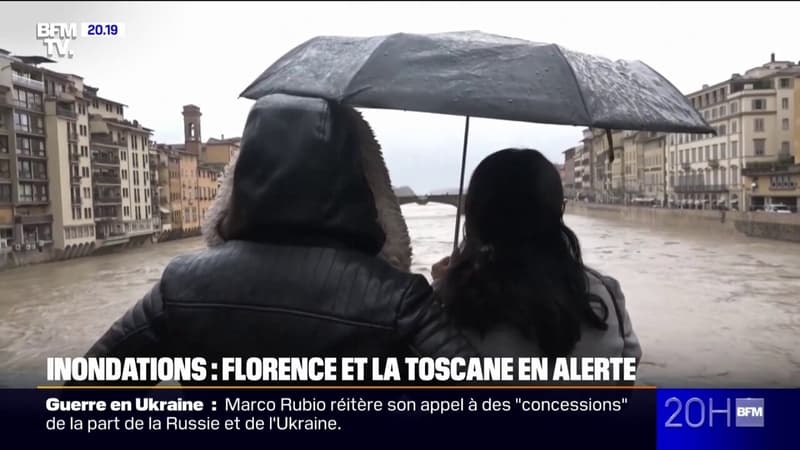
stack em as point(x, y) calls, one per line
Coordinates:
point(191, 129)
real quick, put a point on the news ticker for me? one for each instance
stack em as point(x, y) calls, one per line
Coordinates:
point(341, 369)
point(637, 417)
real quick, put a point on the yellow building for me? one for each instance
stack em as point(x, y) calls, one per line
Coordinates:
point(206, 187)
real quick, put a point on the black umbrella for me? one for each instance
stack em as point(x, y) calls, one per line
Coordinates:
point(481, 75)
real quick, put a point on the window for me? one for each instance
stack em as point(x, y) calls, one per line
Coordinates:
point(76, 213)
point(722, 151)
point(722, 111)
point(136, 193)
point(694, 155)
point(714, 113)
point(95, 104)
point(124, 174)
point(785, 147)
point(3, 143)
point(85, 171)
point(84, 150)
point(123, 156)
point(126, 211)
point(784, 103)
point(723, 130)
point(714, 151)
point(136, 178)
point(758, 125)
point(125, 192)
point(758, 146)
point(705, 114)
point(785, 124)
point(759, 104)
point(87, 193)
point(708, 152)
point(733, 126)
point(5, 168)
point(734, 108)
point(734, 149)
point(785, 83)
point(5, 193)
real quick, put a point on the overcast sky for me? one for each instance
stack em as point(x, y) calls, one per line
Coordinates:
point(173, 54)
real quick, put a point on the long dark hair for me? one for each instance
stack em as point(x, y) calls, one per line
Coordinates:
point(519, 263)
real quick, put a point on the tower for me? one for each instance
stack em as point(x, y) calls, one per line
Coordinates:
point(191, 129)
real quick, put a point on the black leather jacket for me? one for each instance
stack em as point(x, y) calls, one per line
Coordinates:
point(297, 273)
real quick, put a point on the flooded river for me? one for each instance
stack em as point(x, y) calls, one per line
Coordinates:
point(710, 310)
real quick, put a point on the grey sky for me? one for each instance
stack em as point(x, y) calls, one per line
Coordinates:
point(207, 53)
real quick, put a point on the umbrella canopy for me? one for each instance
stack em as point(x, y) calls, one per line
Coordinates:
point(482, 75)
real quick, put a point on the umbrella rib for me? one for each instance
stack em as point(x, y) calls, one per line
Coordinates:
point(345, 96)
point(577, 85)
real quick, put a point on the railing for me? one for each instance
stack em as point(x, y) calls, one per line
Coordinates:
point(74, 157)
point(27, 176)
point(31, 154)
point(707, 188)
point(27, 82)
point(106, 161)
point(72, 136)
point(25, 105)
point(29, 129)
point(105, 140)
point(782, 164)
point(65, 112)
point(75, 179)
point(790, 186)
point(108, 199)
point(105, 179)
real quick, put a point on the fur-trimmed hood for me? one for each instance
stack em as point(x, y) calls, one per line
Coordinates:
point(266, 180)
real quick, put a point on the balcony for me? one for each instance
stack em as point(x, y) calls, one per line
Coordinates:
point(35, 154)
point(32, 177)
point(784, 163)
point(36, 107)
point(74, 157)
point(27, 82)
point(106, 162)
point(66, 112)
point(105, 140)
point(65, 97)
point(686, 166)
point(28, 129)
point(713, 163)
point(33, 219)
point(34, 200)
point(105, 216)
point(75, 201)
point(106, 179)
point(701, 189)
point(75, 179)
point(72, 136)
point(108, 200)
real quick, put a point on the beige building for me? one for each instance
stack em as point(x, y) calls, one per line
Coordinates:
point(120, 173)
point(206, 187)
point(26, 215)
point(752, 114)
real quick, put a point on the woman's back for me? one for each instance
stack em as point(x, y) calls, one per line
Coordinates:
point(518, 285)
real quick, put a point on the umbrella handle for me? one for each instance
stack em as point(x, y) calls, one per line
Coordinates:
point(461, 186)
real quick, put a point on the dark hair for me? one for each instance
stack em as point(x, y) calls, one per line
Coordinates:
point(519, 263)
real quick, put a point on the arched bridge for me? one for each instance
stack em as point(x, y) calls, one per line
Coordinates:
point(447, 199)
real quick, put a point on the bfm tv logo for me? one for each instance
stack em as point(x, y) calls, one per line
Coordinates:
point(698, 413)
point(56, 37)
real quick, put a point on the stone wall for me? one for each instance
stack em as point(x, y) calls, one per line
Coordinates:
point(784, 227)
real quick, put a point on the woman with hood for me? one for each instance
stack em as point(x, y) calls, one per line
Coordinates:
point(518, 285)
point(308, 254)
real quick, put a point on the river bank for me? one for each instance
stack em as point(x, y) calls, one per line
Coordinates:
point(781, 227)
point(12, 258)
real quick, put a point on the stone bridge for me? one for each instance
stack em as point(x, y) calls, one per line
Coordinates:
point(447, 199)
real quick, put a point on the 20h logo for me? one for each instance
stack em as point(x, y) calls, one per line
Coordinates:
point(696, 412)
